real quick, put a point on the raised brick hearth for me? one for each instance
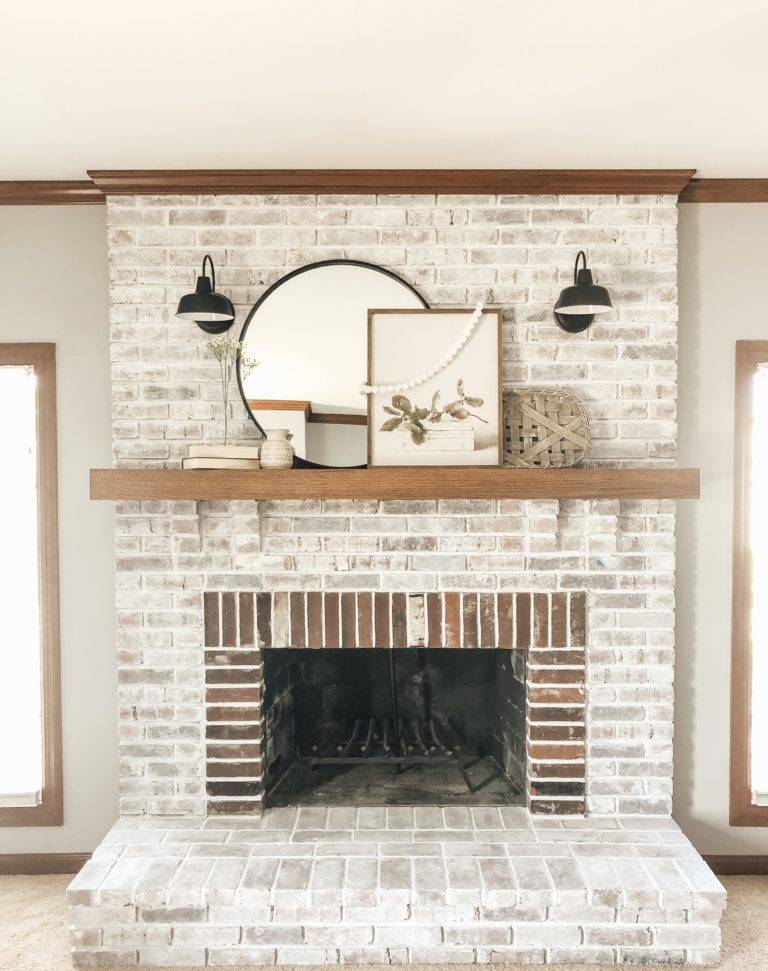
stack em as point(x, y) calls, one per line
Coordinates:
point(407, 885)
point(578, 593)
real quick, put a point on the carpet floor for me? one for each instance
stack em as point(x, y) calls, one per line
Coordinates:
point(34, 935)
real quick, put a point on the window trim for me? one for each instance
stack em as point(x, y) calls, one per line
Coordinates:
point(42, 357)
point(743, 810)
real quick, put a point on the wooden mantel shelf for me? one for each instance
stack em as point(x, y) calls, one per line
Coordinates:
point(396, 483)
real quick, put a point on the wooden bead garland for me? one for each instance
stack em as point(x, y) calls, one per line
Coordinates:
point(441, 365)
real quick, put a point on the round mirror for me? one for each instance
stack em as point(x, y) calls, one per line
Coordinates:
point(309, 335)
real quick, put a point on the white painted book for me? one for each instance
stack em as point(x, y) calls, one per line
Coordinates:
point(219, 463)
point(224, 452)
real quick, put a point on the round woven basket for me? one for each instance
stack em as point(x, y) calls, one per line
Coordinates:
point(544, 429)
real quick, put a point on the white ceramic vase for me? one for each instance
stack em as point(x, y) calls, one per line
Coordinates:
point(276, 450)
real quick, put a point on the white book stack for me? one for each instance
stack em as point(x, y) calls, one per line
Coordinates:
point(222, 457)
point(454, 436)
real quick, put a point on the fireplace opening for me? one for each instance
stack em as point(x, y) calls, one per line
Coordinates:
point(399, 726)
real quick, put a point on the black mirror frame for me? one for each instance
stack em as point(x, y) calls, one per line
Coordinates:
point(301, 463)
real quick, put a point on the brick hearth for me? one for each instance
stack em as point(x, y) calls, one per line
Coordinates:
point(403, 885)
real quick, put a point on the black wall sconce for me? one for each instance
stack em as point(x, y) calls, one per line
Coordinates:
point(211, 311)
point(577, 305)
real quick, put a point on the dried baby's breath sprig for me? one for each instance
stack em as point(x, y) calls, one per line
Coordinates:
point(227, 351)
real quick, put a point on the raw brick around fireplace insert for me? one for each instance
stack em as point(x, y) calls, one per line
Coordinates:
point(549, 627)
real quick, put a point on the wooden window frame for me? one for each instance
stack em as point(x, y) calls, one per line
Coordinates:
point(42, 357)
point(743, 811)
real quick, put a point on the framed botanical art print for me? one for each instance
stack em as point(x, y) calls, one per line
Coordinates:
point(435, 382)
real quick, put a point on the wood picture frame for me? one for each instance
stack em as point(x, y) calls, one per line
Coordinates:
point(497, 375)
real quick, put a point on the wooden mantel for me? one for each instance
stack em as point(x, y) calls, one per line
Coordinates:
point(396, 483)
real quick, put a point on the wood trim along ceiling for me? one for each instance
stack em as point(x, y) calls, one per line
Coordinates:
point(361, 181)
point(18, 864)
point(725, 190)
point(51, 193)
point(92, 192)
point(311, 417)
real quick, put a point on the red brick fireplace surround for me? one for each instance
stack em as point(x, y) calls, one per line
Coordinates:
point(549, 627)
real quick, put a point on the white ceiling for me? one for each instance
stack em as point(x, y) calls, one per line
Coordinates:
point(393, 83)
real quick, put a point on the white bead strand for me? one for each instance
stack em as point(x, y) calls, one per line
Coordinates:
point(477, 313)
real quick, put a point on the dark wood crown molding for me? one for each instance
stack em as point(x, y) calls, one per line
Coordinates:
point(407, 181)
point(92, 192)
point(51, 193)
point(725, 190)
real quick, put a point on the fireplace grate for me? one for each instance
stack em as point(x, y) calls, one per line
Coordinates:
point(399, 743)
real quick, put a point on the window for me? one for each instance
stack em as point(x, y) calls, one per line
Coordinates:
point(749, 624)
point(30, 707)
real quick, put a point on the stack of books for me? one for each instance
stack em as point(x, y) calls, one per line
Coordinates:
point(222, 457)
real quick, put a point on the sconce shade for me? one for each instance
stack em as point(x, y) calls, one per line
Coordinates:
point(577, 304)
point(211, 311)
point(584, 297)
point(204, 304)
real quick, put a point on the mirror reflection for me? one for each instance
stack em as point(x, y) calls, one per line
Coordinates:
point(309, 334)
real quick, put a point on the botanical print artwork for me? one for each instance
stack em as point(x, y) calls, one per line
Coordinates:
point(440, 429)
point(449, 415)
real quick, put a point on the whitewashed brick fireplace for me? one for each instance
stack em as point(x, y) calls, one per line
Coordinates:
point(180, 879)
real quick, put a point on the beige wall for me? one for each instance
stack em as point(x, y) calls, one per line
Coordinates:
point(53, 279)
point(722, 281)
point(53, 282)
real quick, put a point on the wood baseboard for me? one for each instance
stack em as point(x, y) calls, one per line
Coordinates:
point(16, 864)
point(726, 866)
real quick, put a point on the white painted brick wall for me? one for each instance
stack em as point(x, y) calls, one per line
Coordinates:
point(165, 395)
